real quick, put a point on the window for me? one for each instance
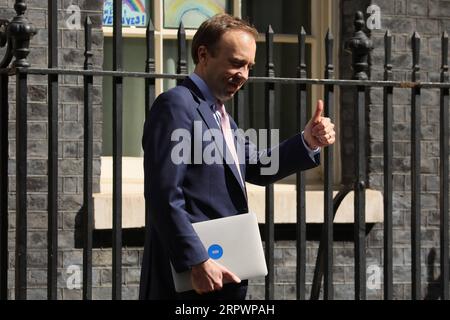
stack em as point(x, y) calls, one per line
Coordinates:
point(285, 16)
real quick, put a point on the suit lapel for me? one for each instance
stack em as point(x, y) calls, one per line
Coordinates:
point(205, 112)
point(239, 143)
point(207, 115)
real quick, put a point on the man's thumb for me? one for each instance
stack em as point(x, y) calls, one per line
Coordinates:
point(319, 110)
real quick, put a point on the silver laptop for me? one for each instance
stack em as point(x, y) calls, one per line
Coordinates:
point(233, 242)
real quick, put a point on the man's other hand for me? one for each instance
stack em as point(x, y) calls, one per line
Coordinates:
point(319, 131)
point(209, 276)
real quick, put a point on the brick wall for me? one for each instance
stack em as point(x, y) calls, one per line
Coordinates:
point(70, 166)
point(429, 19)
point(403, 17)
point(285, 271)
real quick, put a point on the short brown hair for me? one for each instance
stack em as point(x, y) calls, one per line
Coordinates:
point(211, 30)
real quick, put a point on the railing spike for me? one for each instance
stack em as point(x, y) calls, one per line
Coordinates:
point(444, 55)
point(150, 39)
point(387, 55)
point(415, 46)
point(150, 26)
point(182, 57)
point(329, 35)
point(302, 31)
point(301, 68)
point(181, 29)
point(270, 68)
point(329, 43)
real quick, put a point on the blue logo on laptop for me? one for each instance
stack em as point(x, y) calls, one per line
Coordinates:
point(215, 251)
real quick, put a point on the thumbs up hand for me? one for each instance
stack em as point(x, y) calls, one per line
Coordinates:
point(319, 131)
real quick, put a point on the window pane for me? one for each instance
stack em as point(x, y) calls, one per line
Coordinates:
point(133, 98)
point(170, 55)
point(286, 16)
point(191, 12)
point(285, 59)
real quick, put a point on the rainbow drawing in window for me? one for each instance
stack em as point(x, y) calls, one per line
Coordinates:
point(191, 12)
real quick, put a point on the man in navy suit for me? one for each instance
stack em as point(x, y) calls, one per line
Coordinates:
point(179, 193)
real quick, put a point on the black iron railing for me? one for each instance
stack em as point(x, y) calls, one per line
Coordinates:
point(15, 35)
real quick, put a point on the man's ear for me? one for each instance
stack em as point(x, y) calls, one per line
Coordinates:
point(202, 54)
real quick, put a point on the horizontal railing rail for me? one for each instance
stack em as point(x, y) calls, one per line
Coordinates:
point(279, 80)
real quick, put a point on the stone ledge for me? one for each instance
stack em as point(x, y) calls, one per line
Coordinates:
point(285, 205)
point(133, 206)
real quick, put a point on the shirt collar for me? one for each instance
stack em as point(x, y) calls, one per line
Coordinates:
point(204, 89)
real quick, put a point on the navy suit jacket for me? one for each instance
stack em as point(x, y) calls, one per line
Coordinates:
point(178, 195)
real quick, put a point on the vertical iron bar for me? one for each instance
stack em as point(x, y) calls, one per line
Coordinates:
point(20, 30)
point(4, 221)
point(182, 55)
point(301, 216)
point(269, 219)
point(149, 82)
point(360, 200)
point(360, 45)
point(444, 188)
point(149, 67)
point(21, 186)
point(415, 170)
point(319, 269)
point(4, 156)
point(239, 105)
point(328, 168)
point(52, 244)
point(117, 152)
point(388, 156)
point(87, 166)
point(250, 101)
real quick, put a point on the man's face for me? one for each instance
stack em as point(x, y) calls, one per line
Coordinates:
point(227, 70)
